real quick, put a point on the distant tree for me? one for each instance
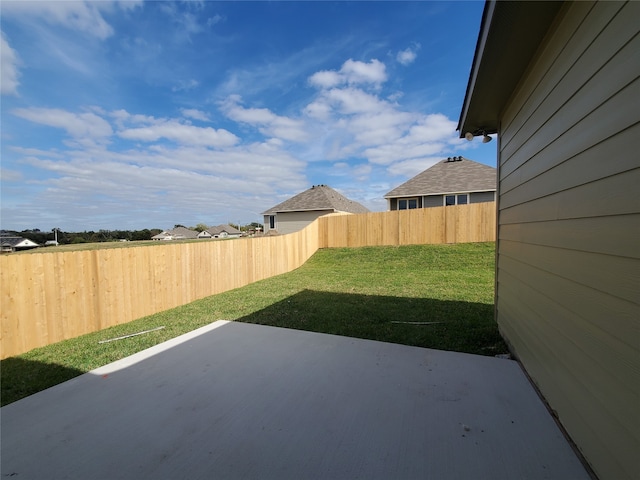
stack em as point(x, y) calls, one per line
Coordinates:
point(201, 227)
point(141, 234)
point(178, 226)
point(33, 235)
point(121, 235)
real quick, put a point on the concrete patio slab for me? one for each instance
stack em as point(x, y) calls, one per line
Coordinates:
point(239, 401)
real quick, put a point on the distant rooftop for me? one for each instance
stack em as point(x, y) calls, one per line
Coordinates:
point(217, 230)
point(451, 175)
point(318, 197)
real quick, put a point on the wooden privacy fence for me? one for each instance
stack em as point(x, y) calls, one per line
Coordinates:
point(454, 224)
point(48, 297)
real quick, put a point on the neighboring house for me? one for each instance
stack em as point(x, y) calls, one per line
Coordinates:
point(453, 181)
point(560, 85)
point(299, 211)
point(220, 231)
point(178, 233)
point(12, 244)
point(165, 235)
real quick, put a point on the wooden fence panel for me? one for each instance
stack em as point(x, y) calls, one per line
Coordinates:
point(454, 224)
point(48, 297)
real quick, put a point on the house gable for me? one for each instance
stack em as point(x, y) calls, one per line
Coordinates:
point(183, 233)
point(11, 244)
point(318, 198)
point(224, 231)
point(300, 210)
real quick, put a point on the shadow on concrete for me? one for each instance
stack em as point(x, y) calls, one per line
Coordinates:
point(21, 378)
point(440, 324)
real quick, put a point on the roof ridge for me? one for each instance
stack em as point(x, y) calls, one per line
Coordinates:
point(318, 197)
point(450, 175)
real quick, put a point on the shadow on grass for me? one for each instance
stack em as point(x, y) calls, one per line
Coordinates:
point(457, 325)
point(21, 378)
point(461, 326)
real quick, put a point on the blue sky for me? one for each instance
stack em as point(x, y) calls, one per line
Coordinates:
point(131, 115)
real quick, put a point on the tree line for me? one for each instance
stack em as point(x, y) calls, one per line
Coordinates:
point(41, 236)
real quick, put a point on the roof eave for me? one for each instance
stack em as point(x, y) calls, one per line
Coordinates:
point(475, 190)
point(328, 209)
point(510, 34)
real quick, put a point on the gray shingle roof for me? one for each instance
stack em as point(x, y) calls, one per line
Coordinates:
point(217, 230)
point(16, 241)
point(183, 232)
point(461, 175)
point(318, 197)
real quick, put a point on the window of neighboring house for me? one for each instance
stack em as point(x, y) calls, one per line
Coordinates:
point(460, 199)
point(272, 222)
point(407, 203)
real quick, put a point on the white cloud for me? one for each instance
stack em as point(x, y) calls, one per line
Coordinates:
point(352, 72)
point(164, 185)
point(36, 152)
point(431, 135)
point(123, 115)
point(360, 72)
point(353, 101)
point(78, 125)
point(380, 127)
point(319, 110)
point(326, 79)
point(181, 133)
point(217, 18)
point(267, 122)
point(9, 63)
point(353, 123)
point(433, 127)
point(408, 56)
point(188, 19)
point(9, 175)
point(195, 114)
point(83, 16)
point(410, 168)
point(361, 172)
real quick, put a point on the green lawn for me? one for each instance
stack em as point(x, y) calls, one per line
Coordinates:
point(436, 296)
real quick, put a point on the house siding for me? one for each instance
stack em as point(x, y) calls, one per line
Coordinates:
point(568, 254)
point(481, 197)
point(429, 201)
point(289, 222)
point(433, 201)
